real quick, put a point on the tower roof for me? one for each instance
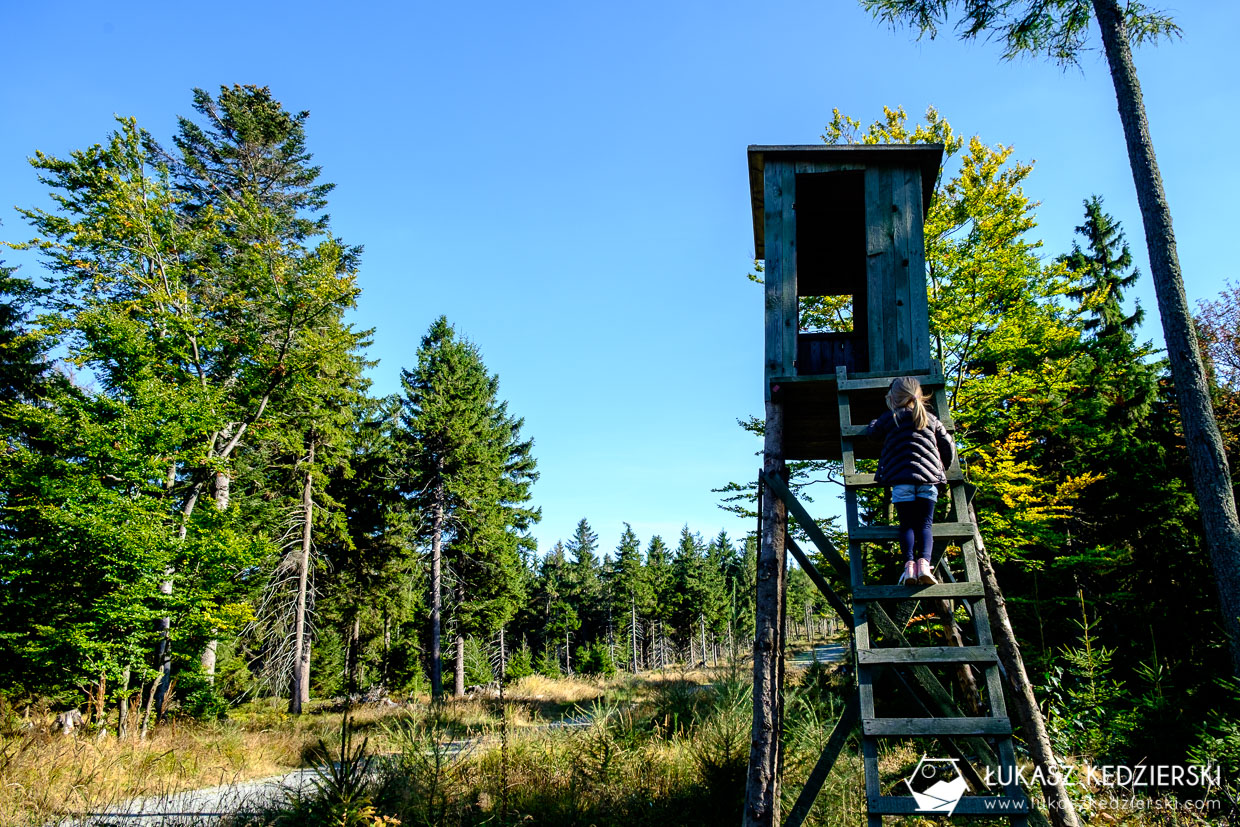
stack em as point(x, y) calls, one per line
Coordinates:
point(926, 157)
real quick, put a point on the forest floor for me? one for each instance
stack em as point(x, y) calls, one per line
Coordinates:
point(191, 773)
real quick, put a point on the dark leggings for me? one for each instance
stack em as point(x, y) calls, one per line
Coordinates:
point(916, 517)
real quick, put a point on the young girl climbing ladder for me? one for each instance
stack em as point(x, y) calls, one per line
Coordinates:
point(916, 453)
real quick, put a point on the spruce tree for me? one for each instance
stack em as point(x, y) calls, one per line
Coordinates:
point(583, 587)
point(469, 471)
point(628, 594)
point(22, 361)
point(1118, 379)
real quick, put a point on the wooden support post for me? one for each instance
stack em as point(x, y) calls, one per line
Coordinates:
point(762, 788)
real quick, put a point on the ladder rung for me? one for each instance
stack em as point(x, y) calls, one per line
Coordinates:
point(992, 805)
point(928, 654)
point(867, 481)
point(870, 533)
point(910, 592)
point(855, 431)
point(891, 727)
point(884, 382)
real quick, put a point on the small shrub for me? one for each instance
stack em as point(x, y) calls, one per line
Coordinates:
point(477, 665)
point(595, 659)
point(520, 665)
point(547, 665)
point(678, 705)
point(201, 700)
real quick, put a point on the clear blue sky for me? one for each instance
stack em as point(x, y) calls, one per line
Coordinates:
point(567, 183)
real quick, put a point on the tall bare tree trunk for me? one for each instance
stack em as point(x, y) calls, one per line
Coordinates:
point(458, 687)
point(355, 655)
point(387, 643)
point(633, 635)
point(503, 656)
point(305, 669)
point(301, 653)
point(1211, 474)
point(702, 636)
point(207, 661)
point(437, 595)
point(122, 708)
point(762, 786)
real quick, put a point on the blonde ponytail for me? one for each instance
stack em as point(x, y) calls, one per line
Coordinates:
point(905, 392)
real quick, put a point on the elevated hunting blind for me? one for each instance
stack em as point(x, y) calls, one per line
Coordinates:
point(840, 221)
point(846, 224)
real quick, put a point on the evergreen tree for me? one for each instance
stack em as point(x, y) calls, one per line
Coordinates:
point(469, 471)
point(583, 586)
point(22, 360)
point(628, 594)
point(1119, 381)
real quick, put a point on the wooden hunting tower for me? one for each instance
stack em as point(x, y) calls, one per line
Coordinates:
point(840, 221)
point(847, 221)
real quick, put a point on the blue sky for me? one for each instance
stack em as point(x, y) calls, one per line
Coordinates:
point(567, 183)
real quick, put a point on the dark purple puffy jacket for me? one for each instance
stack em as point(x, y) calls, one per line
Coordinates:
point(910, 455)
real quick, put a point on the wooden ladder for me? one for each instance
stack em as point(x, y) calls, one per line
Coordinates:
point(872, 661)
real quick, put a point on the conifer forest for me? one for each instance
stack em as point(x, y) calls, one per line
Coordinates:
point(216, 538)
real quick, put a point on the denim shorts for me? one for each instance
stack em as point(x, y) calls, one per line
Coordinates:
point(907, 492)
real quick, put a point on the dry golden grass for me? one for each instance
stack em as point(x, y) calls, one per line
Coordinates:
point(46, 775)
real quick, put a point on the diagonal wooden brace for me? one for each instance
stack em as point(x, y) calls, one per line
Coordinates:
point(847, 723)
point(837, 603)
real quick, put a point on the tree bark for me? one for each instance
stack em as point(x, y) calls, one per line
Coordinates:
point(122, 708)
point(503, 656)
point(207, 661)
point(966, 683)
point(305, 669)
point(355, 644)
point(1211, 474)
point(301, 655)
point(458, 686)
point(762, 786)
point(633, 636)
point(437, 594)
point(702, 636)
point(1028, 714)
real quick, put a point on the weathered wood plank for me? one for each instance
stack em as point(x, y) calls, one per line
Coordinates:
point(773, 276)
point(929, 654)
point(884, 382)
point(941, 590)
point(905, 221)
point(804, 167)
point(919, 313)
point(894, 727)
point(867, 480)
point(876, 533)
point(815, 576)
point(877, 223)
point(788, 287)
point(829, 552)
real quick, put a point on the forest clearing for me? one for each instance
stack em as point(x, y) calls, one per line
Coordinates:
point(486, 490)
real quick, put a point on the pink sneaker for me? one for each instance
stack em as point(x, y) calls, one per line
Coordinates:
point(909, 577)
point(924, 575)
